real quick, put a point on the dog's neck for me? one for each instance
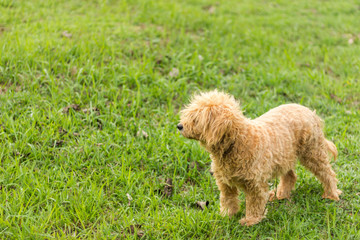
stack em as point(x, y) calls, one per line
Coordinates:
point(235, 142)
point(222, 149)
point(229, 149)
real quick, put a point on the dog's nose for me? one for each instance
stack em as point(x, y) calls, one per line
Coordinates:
point(180, 126)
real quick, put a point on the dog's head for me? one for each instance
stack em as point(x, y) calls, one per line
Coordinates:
point(209, 117)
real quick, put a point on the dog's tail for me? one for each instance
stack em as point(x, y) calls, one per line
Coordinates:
point(332, 148)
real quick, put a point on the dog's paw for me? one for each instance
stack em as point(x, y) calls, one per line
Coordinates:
point(228, 212)
point(272, 195)
point(283, 195)
point(332, 196)
point(223, 212)
point(250, 221)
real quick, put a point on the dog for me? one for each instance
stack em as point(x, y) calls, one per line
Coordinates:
point(247, 153)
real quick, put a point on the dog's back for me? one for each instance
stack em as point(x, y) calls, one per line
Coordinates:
point(300, 124)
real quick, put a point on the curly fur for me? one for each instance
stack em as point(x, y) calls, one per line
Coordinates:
point(247, 153)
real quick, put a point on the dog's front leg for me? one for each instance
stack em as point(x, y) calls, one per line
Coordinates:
point(256, 200)
point(229, 201)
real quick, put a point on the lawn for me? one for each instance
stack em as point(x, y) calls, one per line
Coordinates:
point(90, 92)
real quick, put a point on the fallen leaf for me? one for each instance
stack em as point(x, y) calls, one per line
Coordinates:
point(168, 189)
point(336, 98)
point(140, 234)
point(195, 165)
point(73, 71)
point(190, 181)
point(328, 70)
point(159, 61)
point(62, 131)
point(210, 9)
point(284, 94)
point(174, 72)
point(142, 133)
point(3, 90)
point(129, 198)
point(66, 34)
point(75, 107)
point(99, 124)
point(59, 143)
point(313, 10)
point(305, 65)
point(159, 192)
point(202, 205)
point(90, 110)
point(135, 228)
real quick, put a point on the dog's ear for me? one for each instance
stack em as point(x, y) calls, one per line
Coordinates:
point(216, 122)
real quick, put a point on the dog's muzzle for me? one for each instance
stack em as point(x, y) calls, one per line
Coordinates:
point(180, 126)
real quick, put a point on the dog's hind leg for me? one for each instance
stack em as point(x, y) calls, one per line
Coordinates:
point(317, 161)
point(287, 183)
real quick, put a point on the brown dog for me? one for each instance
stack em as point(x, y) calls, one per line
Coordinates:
point(247, 153)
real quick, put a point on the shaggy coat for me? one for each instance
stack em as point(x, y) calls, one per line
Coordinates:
point(247, 153)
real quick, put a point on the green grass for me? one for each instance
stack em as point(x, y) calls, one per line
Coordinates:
point(66, 176)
